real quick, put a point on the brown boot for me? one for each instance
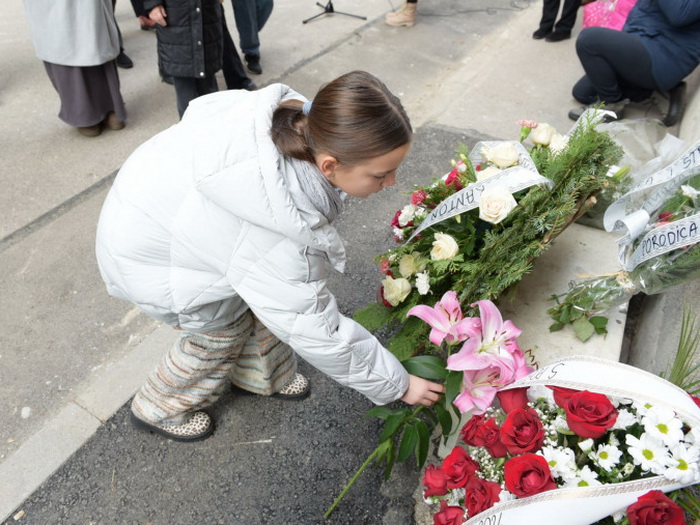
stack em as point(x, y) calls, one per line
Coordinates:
point(404, 17)
point(111, 122)
point(90, 131)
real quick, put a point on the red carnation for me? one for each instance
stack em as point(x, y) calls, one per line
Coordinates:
point(522, 431)
point(453, 180)
point(458, 467)
point(417, 197)
point(528, 475)
point(655, 508)
point(395, 220)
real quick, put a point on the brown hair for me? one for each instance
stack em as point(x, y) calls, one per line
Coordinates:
point(353, 118)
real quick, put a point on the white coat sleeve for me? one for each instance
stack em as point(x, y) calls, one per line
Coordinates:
point(304, 314)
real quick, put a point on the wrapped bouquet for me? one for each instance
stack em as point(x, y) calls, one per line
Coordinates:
point(660, 248)
point(477, 230)
point(581, 441)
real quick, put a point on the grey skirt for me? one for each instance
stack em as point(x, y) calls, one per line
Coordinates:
point(87, 94)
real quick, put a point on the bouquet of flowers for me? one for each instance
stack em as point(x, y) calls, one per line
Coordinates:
point(477, 230)
point(660, 249)
point(566, 447)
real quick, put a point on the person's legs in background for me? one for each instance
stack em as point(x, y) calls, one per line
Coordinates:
point(562, 29)
point(232, 67)
point(123, 60)
point(550, 10)
point(404, 17)
point(187, 89)
point(251, 16)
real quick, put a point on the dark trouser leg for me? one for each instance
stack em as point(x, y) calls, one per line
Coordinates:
point(232, 67)
point(187, 89)
point(617, 66)
point(550, 10)
point(568, 16)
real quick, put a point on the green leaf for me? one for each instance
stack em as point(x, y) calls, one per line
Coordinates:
point(393, 423)
point(390, 460)
point(380, 412)
point(583, 328)
point(453, 385)
point(409, 439)
point(423, 443)
point(599, 321)
point(556, 327)
point(426, 366)
point(373, 317)
point(445, 419)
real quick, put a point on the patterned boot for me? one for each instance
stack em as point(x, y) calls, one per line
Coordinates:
point(404, 17)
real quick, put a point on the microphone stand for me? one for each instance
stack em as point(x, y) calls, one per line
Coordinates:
point(329, 9)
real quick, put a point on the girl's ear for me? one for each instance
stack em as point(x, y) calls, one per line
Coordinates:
point(327, 164)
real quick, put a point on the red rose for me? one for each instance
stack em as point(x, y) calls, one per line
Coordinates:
point(417, 197)
point(590, 415)
point(522, 431)
point(435, 482)
point(469, 429)
point(528, 475)
point(459, 467)
point(655, 508)
point(480, 495)
point(488, 435)
point(562, 395)
point(448, 515)
point(513, 398)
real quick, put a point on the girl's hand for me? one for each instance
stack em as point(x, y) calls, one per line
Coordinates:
point(422, 392)
point(158, 15)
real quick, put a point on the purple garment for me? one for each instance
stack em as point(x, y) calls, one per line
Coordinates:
point(87, 94)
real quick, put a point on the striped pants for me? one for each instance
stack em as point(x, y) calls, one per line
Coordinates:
point(196, 369)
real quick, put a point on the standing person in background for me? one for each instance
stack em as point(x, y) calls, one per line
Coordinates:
point(404, 17)
point(232, 67)
point(78, 42)
point(123, 59)
point(550, 29)
point(222, 226)
point(251, 16)
point(190, 45)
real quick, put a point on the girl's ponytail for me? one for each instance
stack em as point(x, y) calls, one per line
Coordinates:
point(289, 131)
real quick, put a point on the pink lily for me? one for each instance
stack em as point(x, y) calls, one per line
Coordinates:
point(446, 320)
point(479, 387)
point(494, 341)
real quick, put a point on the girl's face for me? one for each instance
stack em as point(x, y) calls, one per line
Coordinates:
point(365, 178)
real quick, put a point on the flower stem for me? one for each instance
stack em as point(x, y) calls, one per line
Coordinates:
point(350, 483)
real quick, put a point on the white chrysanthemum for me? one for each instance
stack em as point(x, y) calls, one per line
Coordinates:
point(607, 456)
point(562, 461)
point(407, 214)
point(624, 419)
point(586, 445)
point(398, 234)
point(627, 469)
point(663, 424)
point(613, 441)
point(423, 283)
point(648, 452)
point(689, 191)
point(641, 408)
point(586, 478)
point(693, 437)
point(684, 464)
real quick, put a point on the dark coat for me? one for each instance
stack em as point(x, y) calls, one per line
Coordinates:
point(191, 45)
point(670, 30)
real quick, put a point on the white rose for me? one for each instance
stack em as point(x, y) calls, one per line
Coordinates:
point(486, 173)
point(503, 155)
point(444, 247)
point(542, 134)
point(495, 204)
point(407, 214)
point(423, 283)
point(558, 143)
point(395, 290)
point(409, 264)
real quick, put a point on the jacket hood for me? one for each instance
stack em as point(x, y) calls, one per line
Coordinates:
point(252, 180)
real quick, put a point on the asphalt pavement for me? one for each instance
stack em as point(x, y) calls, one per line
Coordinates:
point(71, 356)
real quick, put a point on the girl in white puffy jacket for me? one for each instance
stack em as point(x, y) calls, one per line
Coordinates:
point(221, 226)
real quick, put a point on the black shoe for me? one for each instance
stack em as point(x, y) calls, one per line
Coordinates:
point(541, 33)
point(124, 61)
point(557, 36)
point(253, 64)
point(676, 105)
point(249, 85)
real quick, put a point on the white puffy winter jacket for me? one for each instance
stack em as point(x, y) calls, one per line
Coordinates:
point(207, 219)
